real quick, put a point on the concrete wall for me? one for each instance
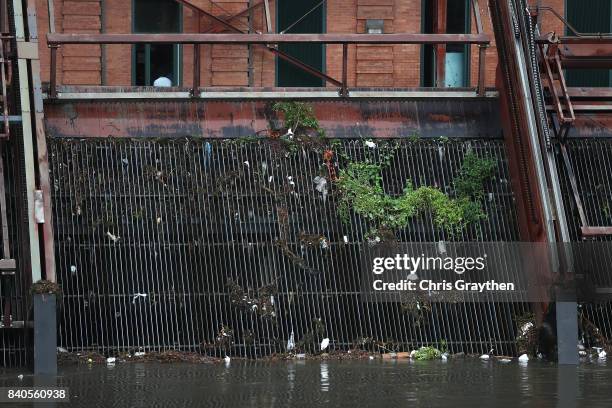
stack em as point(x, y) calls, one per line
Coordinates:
point(223, 65)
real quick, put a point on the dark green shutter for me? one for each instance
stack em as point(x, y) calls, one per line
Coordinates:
point(592, 16)
point(289, 11)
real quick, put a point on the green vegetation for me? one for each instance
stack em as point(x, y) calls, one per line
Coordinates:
point(361, 190)
point(427, 353)
point(298, 115)
point(474, 172)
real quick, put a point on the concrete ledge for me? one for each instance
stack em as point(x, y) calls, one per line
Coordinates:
point(121, 93)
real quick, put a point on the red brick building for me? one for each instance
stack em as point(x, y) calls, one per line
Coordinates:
point(223, 65)
point(241, 65)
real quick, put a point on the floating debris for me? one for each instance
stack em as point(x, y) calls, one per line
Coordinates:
point(111, 360)
point(524, 358)
point(289, 135)
point(324, 244)
point(138, 295)
point(526, 327)
point(389, 356)
point(374, 240)
point(42, 287)
point(291, 342)
point(602, 355)
point(485, 357)
point(112, 236)
point(321, 185)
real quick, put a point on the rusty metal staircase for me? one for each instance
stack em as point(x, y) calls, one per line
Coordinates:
point(556, 54)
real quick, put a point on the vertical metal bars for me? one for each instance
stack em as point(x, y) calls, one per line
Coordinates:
point(152, 237)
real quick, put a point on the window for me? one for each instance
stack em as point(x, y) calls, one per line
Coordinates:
point(594, 18)
point(152, 61)
point(289, 12)
point(456, 59)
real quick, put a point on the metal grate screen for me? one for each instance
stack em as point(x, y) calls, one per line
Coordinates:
point(168, 244)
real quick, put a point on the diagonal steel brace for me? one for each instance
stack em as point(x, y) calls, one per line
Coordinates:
point(283, 55)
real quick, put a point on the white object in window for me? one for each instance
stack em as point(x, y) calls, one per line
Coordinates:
point(162, 82)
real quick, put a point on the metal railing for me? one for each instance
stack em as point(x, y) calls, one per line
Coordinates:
point(271, 40)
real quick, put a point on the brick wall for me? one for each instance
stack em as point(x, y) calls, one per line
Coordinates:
point(81, 64)
point(222, 65)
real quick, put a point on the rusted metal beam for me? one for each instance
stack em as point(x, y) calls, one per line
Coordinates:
point(344, 90)
point(599, 40)
point(217, 20)
point(230, 117)
point(268, 19)
point(561, 101)
point(476, 10)
point(482, 71)
point(440, 28)
point(305, 67)
point(53, 72)
point(196, 69)
point(591, 232)
point(235, 16)
point(585, 55)
point(187, 38)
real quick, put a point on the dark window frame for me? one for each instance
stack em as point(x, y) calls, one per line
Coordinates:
point(177, 52)
point(323, 46)
point(585, 77)
point(467, 49)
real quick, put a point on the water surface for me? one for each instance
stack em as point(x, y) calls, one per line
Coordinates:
point(461, 383)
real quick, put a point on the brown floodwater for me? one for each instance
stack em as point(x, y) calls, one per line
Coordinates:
point(463, 383)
